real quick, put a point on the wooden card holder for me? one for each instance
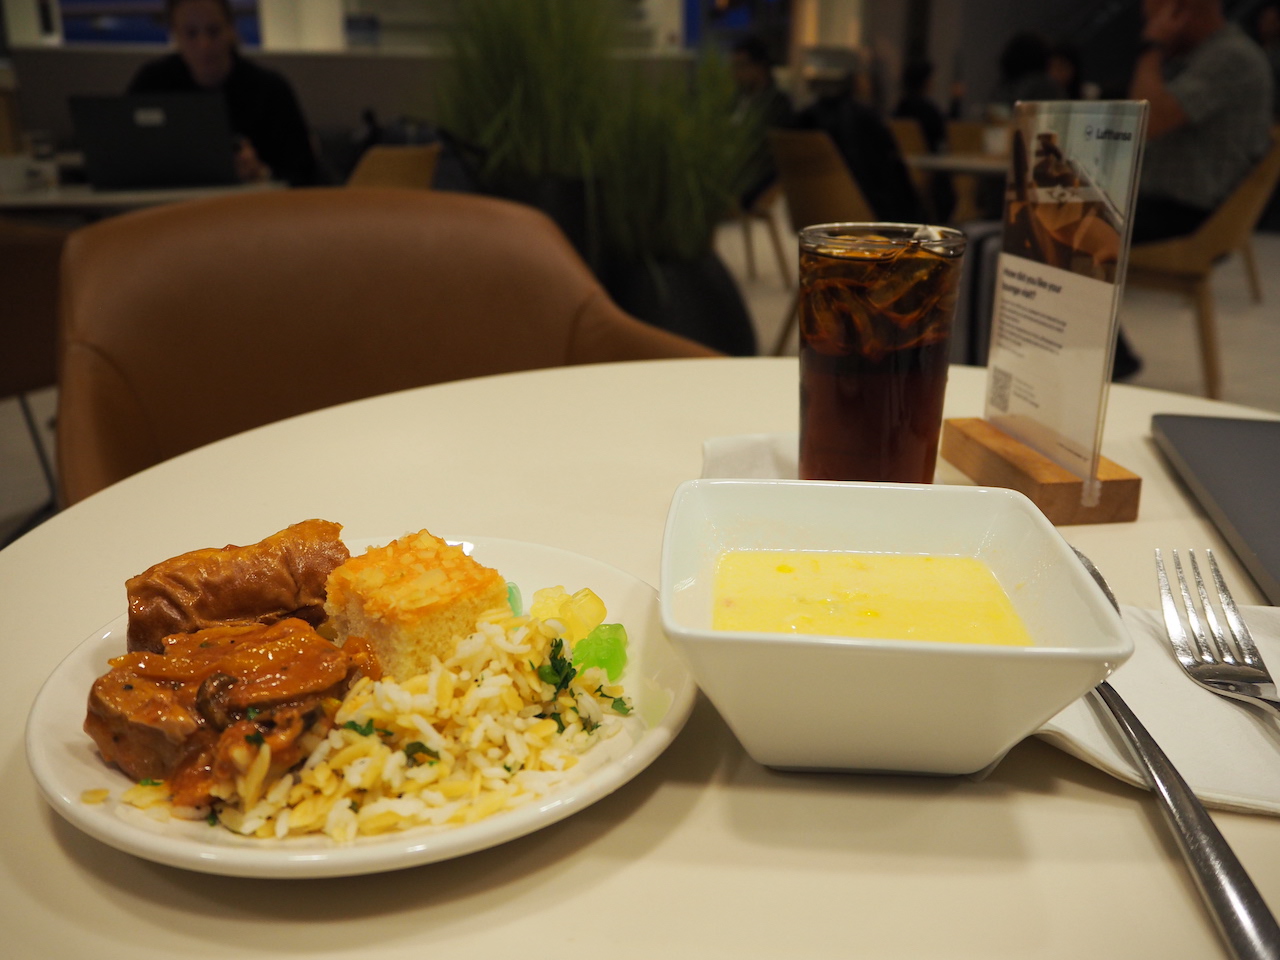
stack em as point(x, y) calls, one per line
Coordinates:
point(992, 458)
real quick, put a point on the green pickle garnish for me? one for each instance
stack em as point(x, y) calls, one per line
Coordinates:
point(605, 647)
point(514, 600)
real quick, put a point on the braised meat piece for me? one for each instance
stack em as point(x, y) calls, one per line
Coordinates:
point(279, 577)
point(166, 716)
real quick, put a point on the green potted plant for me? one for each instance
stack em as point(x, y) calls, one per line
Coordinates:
point(672, 160)
point(526, 91)
point(638, 170)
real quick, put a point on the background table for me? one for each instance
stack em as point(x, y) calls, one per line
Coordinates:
point(83, 200)
point(978, 164)
point(704, 854)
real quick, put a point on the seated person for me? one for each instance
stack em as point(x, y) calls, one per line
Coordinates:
point(866, 143)
point(916, 104)
point(1209, 124)
point(262, 108)
point(759, 101)
point(1064, 70)
point(1024, 74)
point(1209, 89)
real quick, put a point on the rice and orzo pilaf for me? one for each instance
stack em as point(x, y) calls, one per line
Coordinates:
point(511, 715)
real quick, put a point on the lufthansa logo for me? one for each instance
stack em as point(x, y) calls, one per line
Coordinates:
point(1107, 134)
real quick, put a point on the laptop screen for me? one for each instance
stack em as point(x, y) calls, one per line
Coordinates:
point(137, 141)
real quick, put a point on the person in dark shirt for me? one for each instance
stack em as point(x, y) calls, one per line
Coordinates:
point(262, 108)
point(1064, 70)
point(761, 103)
point(916, 104)
point(867, 145)
point(1024, 74)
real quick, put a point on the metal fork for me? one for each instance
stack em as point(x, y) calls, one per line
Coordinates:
point(1232, 669)
point(1241, 915)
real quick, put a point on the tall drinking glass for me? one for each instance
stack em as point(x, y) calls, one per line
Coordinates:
point(876, 305)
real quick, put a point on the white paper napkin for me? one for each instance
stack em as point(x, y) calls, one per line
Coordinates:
point(1228, 753)
point(752, 456)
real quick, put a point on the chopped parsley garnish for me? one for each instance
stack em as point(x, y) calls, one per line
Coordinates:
point(212, 818)
point(558, 671)
point(620, 706)
point(419, 753)
point(365, 730)
point(553, 716)
point(252, 712)
point(149, 782)
point(256, 738)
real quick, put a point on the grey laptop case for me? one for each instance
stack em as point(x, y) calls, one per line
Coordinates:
point(1232, 467)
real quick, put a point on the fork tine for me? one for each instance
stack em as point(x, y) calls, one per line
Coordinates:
point(1193, 618)
point(1217, 638)
point(1239, 632)
point(1172, 622)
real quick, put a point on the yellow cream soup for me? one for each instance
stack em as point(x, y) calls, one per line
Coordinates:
point(894, 597)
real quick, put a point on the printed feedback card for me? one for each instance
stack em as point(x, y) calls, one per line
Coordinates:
point(1067, 215)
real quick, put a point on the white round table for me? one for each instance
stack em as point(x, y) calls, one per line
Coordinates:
point(705, 853)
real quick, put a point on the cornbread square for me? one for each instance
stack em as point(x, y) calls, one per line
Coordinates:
point(410, 600)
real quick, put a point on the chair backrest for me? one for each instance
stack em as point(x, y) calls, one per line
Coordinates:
point(815, 179)
point(10, 129)
point(909, 135)
point(1237, 216)
point(1226, 230)
point(966, 136)
point(188, 323)
point(29, 255)
point(396, 165)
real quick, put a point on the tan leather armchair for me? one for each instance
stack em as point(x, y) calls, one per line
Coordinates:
point(188, 323)
point(29, 255)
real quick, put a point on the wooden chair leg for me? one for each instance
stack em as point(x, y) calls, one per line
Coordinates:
point(778, 251)
point(1251, 271)
point(745, 219)
point(789, 323)
point(1209, 356)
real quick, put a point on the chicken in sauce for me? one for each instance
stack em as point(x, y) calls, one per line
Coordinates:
point(188, 714)
point(279, 577)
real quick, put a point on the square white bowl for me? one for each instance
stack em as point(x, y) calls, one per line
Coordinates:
point(819, 702)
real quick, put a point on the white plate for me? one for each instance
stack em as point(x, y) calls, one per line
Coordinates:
point(65, 762)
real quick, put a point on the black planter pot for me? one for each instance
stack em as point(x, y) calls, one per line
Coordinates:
point(695, 298)
point(565, 202)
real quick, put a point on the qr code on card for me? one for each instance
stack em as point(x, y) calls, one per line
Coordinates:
point(998, 390)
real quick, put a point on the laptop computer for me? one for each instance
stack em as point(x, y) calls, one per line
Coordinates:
point(1230, 466)
point(154, 140)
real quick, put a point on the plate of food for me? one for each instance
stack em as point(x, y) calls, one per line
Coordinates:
point(299, 708)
